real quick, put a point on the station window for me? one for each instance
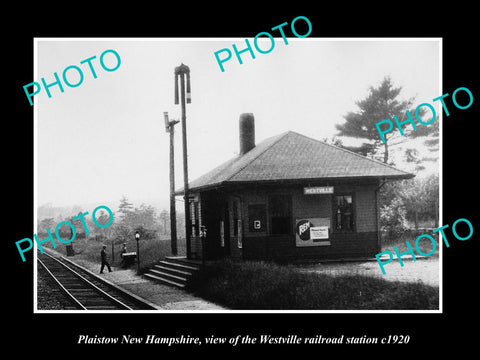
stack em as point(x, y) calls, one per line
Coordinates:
point(280, 211)
point(343, 212)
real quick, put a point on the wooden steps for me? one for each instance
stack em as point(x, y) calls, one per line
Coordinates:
point(174, 271)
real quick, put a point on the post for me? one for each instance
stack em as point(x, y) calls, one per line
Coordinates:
point(137, 237)
point(169, 127)
point(69, 247)
point(181, 71)
point(173, 216)
point(188, 229)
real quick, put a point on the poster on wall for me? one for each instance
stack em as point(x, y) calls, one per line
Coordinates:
point(312, 232)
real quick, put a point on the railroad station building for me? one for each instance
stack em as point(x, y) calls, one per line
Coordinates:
point(288, 198)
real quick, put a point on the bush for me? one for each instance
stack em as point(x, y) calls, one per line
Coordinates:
point(416, 199)
point(264, 285)
point(393, 220)
point(151, 251)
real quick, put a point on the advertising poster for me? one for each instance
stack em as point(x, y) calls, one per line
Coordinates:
point(312, 232)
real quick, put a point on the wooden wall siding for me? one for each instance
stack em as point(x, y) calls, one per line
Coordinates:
point(196, 247)
point(344, 246)
point(252, 197)
point(310, 206)
point(255, 248)
point(261, 245)
point(235, 251)
point(365, 210)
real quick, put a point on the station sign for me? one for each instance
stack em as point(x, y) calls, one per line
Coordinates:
point(318, 190)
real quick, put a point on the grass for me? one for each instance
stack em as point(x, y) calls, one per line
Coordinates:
point(264, 285)
point(424, 244)
point(151, 251)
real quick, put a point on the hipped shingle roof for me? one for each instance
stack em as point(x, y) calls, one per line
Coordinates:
point(291, 156)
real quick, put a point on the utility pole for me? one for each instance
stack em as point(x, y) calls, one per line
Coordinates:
point(183, 72)
point(169, 128)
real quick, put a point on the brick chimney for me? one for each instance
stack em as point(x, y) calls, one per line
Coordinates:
point(247, 132)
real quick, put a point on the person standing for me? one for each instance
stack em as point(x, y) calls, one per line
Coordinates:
point(123, 251)
point(103, 255)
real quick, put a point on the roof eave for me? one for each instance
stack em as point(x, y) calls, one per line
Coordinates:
point(295, 181)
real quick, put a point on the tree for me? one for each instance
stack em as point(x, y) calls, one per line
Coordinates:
point(44, 224)
point(430, 135)
point(381, 103)
point(122, 233)
point(144, 216)
point(125, 207)
point(142, 219)
point(103, 218)
point(333, 141)
point(393, 218)
point(365, 149)
point(164, 220)
point(420, 197)
point(413, 200)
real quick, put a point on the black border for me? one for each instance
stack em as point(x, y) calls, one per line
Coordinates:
point(57, 333)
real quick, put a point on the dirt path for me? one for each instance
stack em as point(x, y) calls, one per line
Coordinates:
point(426, 270)
point(166, 297)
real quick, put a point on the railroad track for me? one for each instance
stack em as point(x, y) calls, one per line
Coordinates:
point(87, 291)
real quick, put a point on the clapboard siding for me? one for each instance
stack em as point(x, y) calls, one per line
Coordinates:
point(343, 246)
point(361, 242)
point(311, 206)
point(365, 209)
point(235, 250)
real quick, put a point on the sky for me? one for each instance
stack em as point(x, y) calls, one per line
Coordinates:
point(106, 138)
